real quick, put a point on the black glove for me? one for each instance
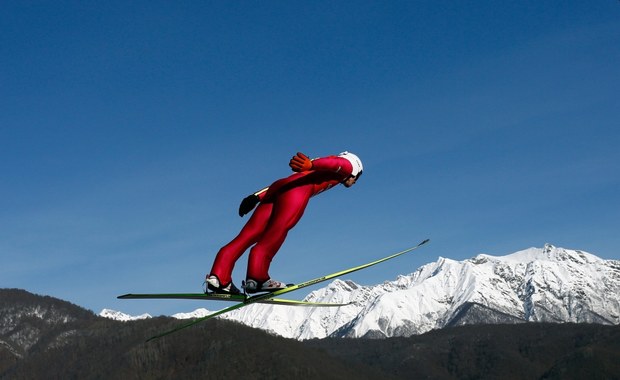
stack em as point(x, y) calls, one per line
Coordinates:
point(247, 204)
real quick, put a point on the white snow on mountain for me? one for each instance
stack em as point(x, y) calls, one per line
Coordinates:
point(534, 285)
point(198, 313)
point(120, 316)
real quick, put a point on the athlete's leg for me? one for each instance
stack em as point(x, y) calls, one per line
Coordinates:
point(227, 256)
point(288, 208)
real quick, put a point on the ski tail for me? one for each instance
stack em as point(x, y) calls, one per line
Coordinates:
point(196, 321)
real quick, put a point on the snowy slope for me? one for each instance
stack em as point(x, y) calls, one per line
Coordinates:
point(537, 284)
point(549, 284)
point(120, 316)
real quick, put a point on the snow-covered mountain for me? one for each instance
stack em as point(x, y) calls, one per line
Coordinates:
point(546, 284)
point(535, 285)
point(120, 316)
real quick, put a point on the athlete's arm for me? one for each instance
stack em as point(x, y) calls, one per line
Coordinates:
point(302, 163)
point(333, 164)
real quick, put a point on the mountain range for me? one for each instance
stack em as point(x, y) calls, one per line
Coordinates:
point(42, 337)
point(548, 284)
point(487, 317)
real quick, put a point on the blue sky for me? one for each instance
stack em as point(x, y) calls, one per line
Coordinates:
point(130, 132)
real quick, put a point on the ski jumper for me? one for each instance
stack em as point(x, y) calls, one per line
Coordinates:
point(281, 206)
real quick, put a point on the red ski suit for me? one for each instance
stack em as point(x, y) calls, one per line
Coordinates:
point(281, 206)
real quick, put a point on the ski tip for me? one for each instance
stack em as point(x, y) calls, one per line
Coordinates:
point(425, 241)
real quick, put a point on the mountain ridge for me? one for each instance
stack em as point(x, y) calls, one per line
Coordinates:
point(547, 284)
point(75, 343)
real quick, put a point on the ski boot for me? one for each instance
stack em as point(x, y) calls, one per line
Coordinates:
point(252, 286)
point(213, 284)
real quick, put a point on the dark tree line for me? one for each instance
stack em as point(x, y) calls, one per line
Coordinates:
point(76, 344)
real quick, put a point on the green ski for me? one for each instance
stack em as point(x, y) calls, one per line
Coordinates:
point(265, 296)
point(229, 298)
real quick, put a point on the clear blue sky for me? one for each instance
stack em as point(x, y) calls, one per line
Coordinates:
point(130, 132)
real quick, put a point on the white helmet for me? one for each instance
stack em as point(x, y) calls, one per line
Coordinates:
point(355, 162)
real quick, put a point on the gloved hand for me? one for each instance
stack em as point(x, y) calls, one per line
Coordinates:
point(247, 204)
point(300, 163)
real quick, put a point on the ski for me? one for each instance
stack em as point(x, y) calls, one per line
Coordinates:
point(265, 296)
point(229, 298)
